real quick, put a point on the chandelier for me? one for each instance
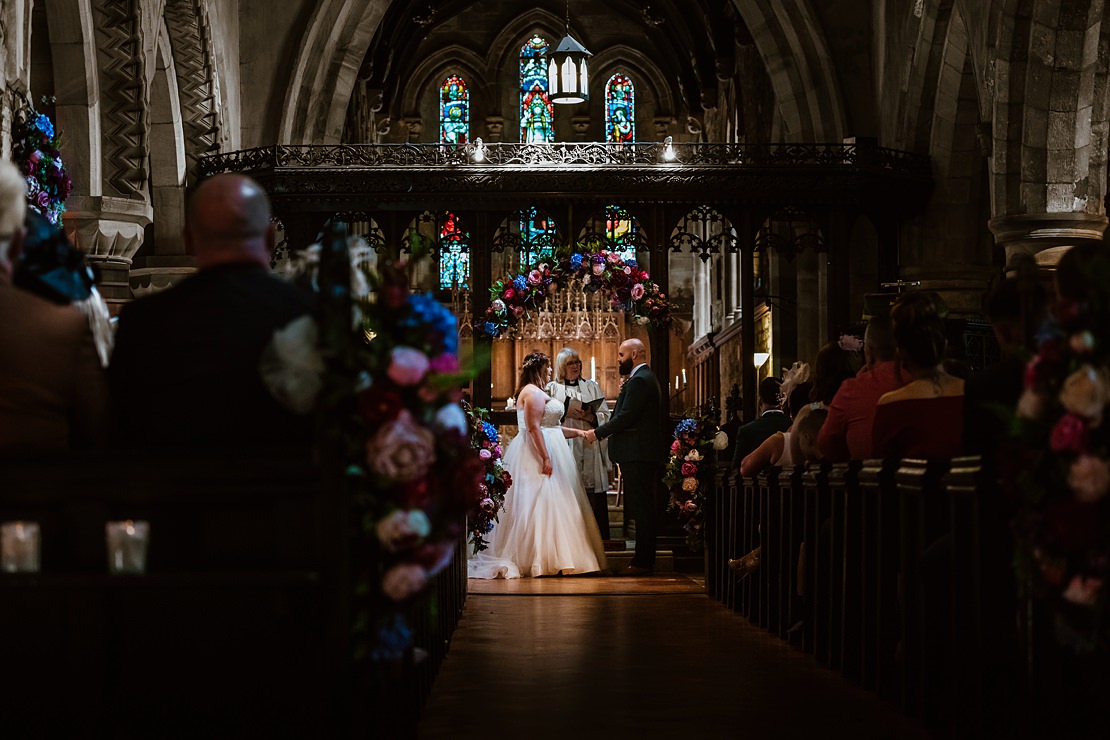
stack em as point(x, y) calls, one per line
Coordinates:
point(567, 76)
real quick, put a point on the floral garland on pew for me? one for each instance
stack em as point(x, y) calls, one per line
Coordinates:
point(35, 144)
point(485, 439)
point(690, 472)
point(628, 287)
point(390, 373)
point(1063, 464)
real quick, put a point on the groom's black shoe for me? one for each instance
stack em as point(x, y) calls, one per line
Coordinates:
point(634, 571)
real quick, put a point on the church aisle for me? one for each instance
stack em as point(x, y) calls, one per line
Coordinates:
point(627, 662)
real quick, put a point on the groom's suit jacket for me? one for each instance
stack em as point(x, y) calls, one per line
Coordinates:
point(635, 431)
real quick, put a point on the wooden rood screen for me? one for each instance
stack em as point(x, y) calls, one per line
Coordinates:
point(240, 626)
point(896, 573)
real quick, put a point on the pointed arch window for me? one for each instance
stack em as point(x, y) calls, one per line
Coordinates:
point(454, 254)
point(620, 110)
point(537, 237)
point(537, 113)
point(454, 111)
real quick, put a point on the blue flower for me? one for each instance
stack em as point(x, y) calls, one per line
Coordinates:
point(45, 125)
point(686, 426)
point(426, 311)
point(631, 262)
point(575, 261)
point(393, 640)
point(490, 431)
point(520, 282)
point(491, 329)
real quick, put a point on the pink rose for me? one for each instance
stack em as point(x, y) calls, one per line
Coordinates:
point(402, 581)
point(1069, 434)
point(1085, 393)
point(1082, 590)
point(598, 268)
point(42, 199)
point(627, 270)
point(403, 529)
point(676, 447)
point(690, 507)
point(1089, 478)
point(508, 294)
point(401, 449)
point(408, 366)
point(34, 157)
point(487, 505)
point(689, 484)
point(637, 292)
point(497, 450)
point(613, 258)
point(485, 454)
point(689, 468)
point(445, 363)
point(535, 277)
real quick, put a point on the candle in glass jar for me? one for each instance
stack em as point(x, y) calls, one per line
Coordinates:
point(19, 547)
point(127, 544)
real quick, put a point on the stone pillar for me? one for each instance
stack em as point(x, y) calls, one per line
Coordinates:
point(110, 232)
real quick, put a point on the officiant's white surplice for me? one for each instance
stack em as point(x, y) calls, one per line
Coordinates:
point(592, 459)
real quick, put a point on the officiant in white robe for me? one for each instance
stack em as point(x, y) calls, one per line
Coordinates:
point(592, 459)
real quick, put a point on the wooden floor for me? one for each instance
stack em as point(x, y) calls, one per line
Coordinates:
point(603, 657)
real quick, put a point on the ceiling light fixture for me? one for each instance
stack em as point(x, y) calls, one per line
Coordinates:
point(567, 77)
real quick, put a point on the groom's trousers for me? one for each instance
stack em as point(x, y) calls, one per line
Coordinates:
point(640, 480)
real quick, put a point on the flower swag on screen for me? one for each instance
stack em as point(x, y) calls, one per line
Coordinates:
point(35, 145)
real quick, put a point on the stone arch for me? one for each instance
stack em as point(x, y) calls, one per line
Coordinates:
point(429, 75)
point(792, 45)
point(190, 43)
point(645, 72)
point(169, 157)
point(505, 48)
point(339, 33)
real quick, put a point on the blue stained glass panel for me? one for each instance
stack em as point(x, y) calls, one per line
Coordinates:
point(454, 254)
point(454, 111)
point(620, 110)
point(537, 236)
point(620, 231)
point(537, 112)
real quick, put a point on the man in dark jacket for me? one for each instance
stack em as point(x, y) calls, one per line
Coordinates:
point(635, 437)
point(185, 370)
point(771, 419)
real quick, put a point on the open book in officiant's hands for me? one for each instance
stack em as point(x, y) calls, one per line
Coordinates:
point(586, 411)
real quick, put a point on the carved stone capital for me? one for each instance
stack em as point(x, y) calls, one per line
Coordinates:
point(495, 126)
point(662, 126)
point(1046, 236)
point(110, 231)
point(415, 127)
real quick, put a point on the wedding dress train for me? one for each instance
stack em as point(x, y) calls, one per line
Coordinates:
point(546, 525)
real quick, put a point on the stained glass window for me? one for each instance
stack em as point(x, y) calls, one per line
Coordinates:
point(454, 254)
point(454, 111)
point(537, 113)
point(537, 237)
point(620, 230)
point(620, 110)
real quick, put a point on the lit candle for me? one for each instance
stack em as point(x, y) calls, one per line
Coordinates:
point(676, 382)
point(684, 376)
point(593, 368)
point(127, 545)
point(19, 543)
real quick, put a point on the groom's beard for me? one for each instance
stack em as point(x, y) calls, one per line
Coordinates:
point(624, 367)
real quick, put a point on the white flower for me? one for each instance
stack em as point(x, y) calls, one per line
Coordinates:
point(291, 366)
point(1089, 478)
point(403, 529)
point(452, 417)
point(1085, 393)
point(720, 442)
point(401, 449)
point(693, 456)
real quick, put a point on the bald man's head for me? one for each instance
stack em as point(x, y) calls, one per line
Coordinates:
point(630, 353)
point(228, 220)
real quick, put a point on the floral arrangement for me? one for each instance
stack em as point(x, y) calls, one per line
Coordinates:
point(689, 472)
point(628, 287)
point(1063, 523)
point(389, 372)
point(484, 438)
point(35, 145)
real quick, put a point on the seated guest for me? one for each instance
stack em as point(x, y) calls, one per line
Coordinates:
point(53, 394)
point(777, 450)
point(771, 419)
point(835, 363)
point(1016, 309)
point(923, 418)
point(846, 433)
point(185, 370)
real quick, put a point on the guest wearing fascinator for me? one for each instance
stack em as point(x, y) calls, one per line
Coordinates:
point(52, 387)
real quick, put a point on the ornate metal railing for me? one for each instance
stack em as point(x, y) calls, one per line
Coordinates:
point(281, 156)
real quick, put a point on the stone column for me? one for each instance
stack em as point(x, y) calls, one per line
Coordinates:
point(110, 232)
point(1046, 236)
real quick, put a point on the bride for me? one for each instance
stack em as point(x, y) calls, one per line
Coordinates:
point(546, 526)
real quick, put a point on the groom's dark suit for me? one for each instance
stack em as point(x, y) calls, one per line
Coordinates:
point(635, 441)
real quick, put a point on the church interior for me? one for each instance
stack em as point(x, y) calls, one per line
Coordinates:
point(760, 177)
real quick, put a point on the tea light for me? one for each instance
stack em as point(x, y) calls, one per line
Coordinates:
point(127, 544)
point(19, 547)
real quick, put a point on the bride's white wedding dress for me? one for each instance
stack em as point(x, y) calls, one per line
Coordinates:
point(546, 525)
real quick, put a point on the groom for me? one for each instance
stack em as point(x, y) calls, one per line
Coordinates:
point(636, 439)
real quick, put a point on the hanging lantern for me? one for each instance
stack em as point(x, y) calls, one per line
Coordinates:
point(567, 77)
